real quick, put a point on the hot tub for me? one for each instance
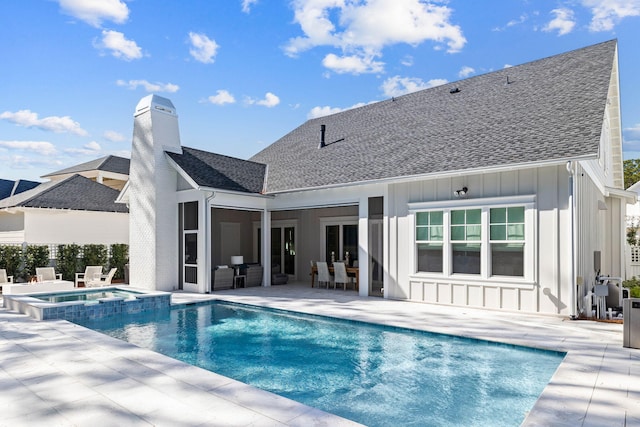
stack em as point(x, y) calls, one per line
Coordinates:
point(92, 303)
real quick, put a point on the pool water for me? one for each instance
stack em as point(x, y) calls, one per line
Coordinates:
point(89, 296)
point(375, 375)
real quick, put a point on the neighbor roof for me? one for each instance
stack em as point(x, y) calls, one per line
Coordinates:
point(110, 163)
point(75, 192)
point(546, 110)
point(8, 188)
point(212, 170)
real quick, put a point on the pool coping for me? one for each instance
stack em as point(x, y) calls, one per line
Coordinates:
point(595, 385)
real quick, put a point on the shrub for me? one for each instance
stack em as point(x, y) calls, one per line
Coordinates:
point(68, 261)
point(119, 257)
point(634, 287)
point(93, 255)
point(11, 260)
point(35, 256)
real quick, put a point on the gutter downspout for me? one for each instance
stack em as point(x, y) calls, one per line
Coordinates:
point(207, 236)
point(572, 192)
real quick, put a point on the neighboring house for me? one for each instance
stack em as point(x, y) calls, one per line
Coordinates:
point(73, 207)
point(112, 171)
point(501, 191)
point(10, 188)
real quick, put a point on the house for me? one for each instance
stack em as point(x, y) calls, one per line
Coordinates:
point(9, 188)
point(76, 205)
point(500, 191)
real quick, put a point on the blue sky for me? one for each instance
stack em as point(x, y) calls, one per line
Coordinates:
point(243, 73)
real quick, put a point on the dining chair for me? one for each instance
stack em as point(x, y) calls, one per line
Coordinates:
point(340, 272)
point(323, 273)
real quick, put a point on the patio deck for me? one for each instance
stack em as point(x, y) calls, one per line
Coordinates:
point(58, 373)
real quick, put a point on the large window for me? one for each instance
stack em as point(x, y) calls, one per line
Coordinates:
point(493, 241)
point(507, 241)
point(429, 236)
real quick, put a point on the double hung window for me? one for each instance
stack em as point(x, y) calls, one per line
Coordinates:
point(507, 241)
point(494, 240)
point(429, 235)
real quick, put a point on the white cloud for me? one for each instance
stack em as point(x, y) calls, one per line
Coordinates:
point(246, 5)
point(40, 147)
point(563, 23)
point(203, 48)
point(114, 136)
point(353, 64)
point(96, 11)
point(407, 61)
point(363, 29)
point(28, 119)
point(149, 87)
point(466, 71)
point(608, 13)
point(90, 149)
point(119, 46)
point(326, 111)
point(396, 85)
point(221, 97)
point(270, 100)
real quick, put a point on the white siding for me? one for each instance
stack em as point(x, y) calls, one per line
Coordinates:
point(80, 227)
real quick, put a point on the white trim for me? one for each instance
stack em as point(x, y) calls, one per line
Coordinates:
point(444, 174)
point(479, 202)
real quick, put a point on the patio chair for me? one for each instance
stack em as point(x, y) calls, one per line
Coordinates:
point(223, 278)
point(47, 274)
point(340, 272)
point(90, 273)
point(4, 279)
point(101, 281)
point(323, 274)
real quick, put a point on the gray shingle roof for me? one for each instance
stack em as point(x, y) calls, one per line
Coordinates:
point(113, 164)
point(222, 172)
point(75, 192)
point(551, 109)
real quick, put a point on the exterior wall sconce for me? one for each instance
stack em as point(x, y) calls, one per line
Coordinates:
point(461, 192)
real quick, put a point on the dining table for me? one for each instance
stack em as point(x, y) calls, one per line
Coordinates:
point(355, 271)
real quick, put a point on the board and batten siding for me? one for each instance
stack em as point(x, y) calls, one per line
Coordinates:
point(548, 292)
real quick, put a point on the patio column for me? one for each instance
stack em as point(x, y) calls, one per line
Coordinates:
point(266, 247)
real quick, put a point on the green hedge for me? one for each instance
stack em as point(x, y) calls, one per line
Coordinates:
point(35, 256)
point(11, 260)
point(634, 287)
point(119, 257)
point(70, 259)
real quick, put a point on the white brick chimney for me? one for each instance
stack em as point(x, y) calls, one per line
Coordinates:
point(153, 210)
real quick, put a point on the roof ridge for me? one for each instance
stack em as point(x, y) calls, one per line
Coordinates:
point(54, 185)
point(223, 155)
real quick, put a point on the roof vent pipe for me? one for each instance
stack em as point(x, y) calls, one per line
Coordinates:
point(322, 130)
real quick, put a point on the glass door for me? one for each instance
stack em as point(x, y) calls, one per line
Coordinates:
point(189, 240)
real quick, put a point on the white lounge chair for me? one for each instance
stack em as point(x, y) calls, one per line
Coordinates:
point(4, 279)
point(101, 281)
point(92, 272)
point(47, 274)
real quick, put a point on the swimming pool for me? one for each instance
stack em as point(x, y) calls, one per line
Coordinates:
point(371, 374)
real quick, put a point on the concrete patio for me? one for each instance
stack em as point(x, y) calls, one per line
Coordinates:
point(58, 373)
